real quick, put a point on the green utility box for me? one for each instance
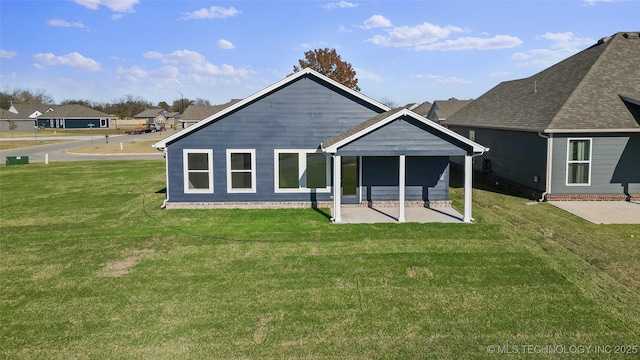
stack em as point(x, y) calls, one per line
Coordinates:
point(17, 160)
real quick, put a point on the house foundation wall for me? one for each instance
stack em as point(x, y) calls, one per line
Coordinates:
point(591, 197)
point(302, 204)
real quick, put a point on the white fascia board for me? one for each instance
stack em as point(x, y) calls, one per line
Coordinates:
point(590, 131)
point(289, 79)
point(477, 148)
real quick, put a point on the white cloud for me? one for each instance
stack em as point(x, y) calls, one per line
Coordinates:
point(376, 21)
point(114, 5)
point(368, 76)
point(195, 62)
point(566, 40)
point(316, 45)
point(340, 5)
point(500, 74)
point(410, 36)
point(562, 46)
point(441, 79)
point(74, 60)
point(474, 43)
point(10, 76)
point(225, 44)
point(64, 23)
point(214, 12)
point(5, 54)
point(593, 2)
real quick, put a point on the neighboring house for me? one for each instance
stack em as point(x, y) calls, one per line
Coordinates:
point(27, 117)
point(571, 131)
point(21, 123)
point(194, 113)
point(421, 109)
point(288, 144)
point(158, 116)
point(73, 116)
point(442, 109)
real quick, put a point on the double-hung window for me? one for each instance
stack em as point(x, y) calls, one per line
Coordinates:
point(198, 171)
point(241, 170)
point(301, 171)
point(579, 162)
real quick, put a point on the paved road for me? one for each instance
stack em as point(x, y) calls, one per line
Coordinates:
point(57, 151)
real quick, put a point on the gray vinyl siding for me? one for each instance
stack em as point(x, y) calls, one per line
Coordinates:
point(516, 156)
point(404, 136)
point(427, 178)
point(21, 125)
point(615, 164)
point(298, 116)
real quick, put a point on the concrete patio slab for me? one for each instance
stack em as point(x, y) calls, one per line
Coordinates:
point(603, 212)
point(368, 215)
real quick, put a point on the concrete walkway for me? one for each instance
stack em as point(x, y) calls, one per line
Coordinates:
point(603, 212)
point(366, 215)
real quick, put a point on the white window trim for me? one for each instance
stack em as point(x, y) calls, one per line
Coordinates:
point(569, 140)
point(185, 170)
point(302, 168)
point(253, 170)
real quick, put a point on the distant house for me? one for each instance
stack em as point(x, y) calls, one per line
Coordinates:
point(310, 141)
point(159, 116)
point(73, 117)
point(421, 109)
point(10, 121)
point(442, 109)
point(194, 113)
point(27, 117)
point(571, 131)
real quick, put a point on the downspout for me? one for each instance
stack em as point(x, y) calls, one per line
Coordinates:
point(549, 163)
point(166, 171)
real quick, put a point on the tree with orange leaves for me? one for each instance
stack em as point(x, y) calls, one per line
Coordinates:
point(327, 62)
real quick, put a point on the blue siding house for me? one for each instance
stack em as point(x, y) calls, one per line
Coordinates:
point(569, 132)
point(287, 145)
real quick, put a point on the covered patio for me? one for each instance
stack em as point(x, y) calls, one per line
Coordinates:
point(402, 134)
point(373, 215)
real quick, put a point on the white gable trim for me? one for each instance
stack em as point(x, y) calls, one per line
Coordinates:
point(477, 148)
point(289, 79)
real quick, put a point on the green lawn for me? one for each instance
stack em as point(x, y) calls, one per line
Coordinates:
point(89, 270)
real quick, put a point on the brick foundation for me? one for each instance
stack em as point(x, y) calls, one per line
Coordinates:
point(301, 204)
point(587, 197)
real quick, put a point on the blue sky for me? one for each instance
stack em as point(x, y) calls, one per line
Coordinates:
point(403, 51)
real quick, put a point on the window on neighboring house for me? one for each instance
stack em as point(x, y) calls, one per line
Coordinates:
point(579, 162)
point(198, 171)
point(301, 171)
point(241, 170)
point(472, 135)
point(103, 122)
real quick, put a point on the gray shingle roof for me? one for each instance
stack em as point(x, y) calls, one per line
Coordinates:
point(363, 125)
point(150, 113)
point(422, 109)
point(443, 109)
point(201, 112)
point(582, 92)
point(8, 115)
point(73, 111)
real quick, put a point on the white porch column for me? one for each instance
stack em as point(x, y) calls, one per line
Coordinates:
point(401, 185)
point(337, 194)
point(468, 185)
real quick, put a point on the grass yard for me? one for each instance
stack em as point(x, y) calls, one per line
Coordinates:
point(6, 145)
point(113, 147)
point(89, 270)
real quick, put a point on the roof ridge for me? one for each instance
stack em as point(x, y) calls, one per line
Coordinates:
point(606, 43)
